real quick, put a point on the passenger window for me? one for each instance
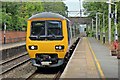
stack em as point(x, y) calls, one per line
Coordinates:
point(68, 30)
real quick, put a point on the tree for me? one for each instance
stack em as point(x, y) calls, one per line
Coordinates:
point(103, 8)
point(15, 14)
point(56, 7)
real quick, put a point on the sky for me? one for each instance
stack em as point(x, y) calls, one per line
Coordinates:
point(73, 5)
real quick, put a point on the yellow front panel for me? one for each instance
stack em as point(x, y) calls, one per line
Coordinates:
point(48, 46)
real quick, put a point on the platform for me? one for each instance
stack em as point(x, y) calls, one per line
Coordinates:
point(108, 63)
point(11, 45)
point(92, 60)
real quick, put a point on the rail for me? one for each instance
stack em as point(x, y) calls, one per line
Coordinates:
point(52, 73)
point(14, 63)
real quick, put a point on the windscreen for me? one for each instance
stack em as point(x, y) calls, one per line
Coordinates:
point(54, 28)
point(46, 30)
point(38, 28)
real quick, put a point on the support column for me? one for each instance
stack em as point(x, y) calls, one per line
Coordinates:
point(109, 22)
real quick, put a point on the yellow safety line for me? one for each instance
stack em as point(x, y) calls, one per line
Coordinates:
point(97, 62)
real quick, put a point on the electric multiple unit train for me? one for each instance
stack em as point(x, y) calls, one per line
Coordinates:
point(49, 37)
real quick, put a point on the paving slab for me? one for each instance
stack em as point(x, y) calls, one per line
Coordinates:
point(81, 64)
point(11, 45)
point(108, 63)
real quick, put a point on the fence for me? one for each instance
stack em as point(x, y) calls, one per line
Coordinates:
point(12, 36)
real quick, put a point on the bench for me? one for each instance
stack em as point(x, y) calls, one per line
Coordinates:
point(113, 50)
point(118, 55)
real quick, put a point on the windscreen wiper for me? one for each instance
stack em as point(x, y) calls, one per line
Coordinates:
point(33, 37)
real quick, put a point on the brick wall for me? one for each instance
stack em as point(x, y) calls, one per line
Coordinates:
point(13, 36)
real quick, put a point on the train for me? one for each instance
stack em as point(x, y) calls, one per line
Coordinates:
point(49, 39)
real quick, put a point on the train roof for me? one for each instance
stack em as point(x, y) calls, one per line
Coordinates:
point(47, 15)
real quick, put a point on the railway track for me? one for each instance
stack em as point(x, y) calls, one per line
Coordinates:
point(46, 73)
point(42, 73)
point(50, 73)
point(14, 62)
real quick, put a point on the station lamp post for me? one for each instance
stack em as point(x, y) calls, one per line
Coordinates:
point(96, 25)
point(93, 27)
point(4, 33)
point(95, 35)
point(98, 35)
point(103, 28)
point(115, 20)
point(98, 13)
point(109, 21)
point(80, 9)
point(92, 24)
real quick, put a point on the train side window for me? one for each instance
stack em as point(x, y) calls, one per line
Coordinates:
point(85, 29)
point(68, 30)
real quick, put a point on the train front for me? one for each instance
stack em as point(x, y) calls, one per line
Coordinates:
point(46, 40)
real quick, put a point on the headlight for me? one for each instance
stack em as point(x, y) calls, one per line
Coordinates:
point(33, 47)
point(59, 47)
